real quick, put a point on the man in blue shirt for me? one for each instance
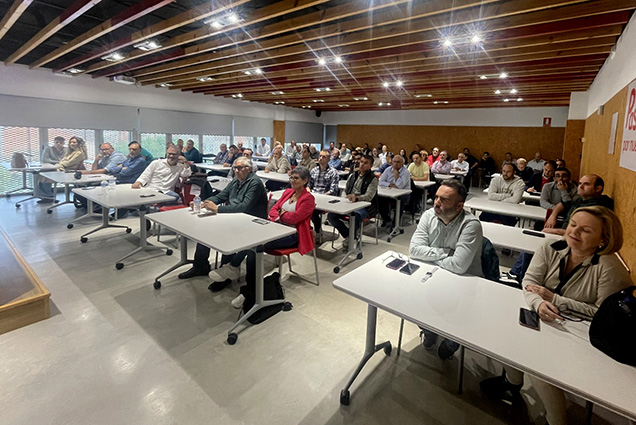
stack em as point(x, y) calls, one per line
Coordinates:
point(105, 161)
point(222, 156)
point(191, 153)
point(335, 161)
point(132, 166)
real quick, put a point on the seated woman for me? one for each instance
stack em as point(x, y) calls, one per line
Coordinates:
point(294, 208)
point(570, 276)
point(75, 156)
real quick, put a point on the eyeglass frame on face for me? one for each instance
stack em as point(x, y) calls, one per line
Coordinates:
point(239, 167)
point(171, 154)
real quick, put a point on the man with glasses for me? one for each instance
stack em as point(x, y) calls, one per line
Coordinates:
point(244, 194)
point(163, 174)
point(131, 168)
point(247, 153)
point(322, 179)
point(106, 161)
point(222, 156)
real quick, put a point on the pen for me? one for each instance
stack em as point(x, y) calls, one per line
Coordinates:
point(428, 275)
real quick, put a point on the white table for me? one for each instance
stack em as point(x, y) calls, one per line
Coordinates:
point(529, 212)
point(213, 167)
point(483, 316)
point(527, 196)
point(124, 196)
point(342, 207)
point(514, 238)
point(219, 183)
point(277, 177)
point(213, 231)
point(31, 169)
point(68, 179)
point(424, 185)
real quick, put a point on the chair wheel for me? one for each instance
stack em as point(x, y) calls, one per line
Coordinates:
point(18, 205)
point(359, 256)
point(232, 338)
point(69, 226)
point(156, 284)
point(49, 211)
point(387, 350)
point(344, 397)
point(119, 266)
point(336, 269)
point(168, 252)
point(388, 239)
point(128, 230)
point(401, 231)
point(83, 239)
point(287, 306)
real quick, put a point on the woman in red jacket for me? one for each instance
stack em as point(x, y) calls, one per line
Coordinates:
point(294, 208)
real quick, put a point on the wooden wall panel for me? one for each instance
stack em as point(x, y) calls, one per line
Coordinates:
point(573, 146)
point(620, 183)
point(279, 131)
point(521, 141)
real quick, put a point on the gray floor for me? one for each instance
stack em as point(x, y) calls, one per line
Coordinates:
point(116, 351)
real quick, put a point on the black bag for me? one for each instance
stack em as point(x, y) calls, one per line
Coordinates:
point(272, 290)
point(18, 160)
point(613, 328)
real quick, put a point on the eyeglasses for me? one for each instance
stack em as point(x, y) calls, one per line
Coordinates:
point(172, 154)
point(569, 315)
point(239, 167)
point(294, 178)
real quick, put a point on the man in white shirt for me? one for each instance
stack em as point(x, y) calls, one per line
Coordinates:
point(290, 150)
point(382, 154)
point(537, 163)
point(460, 165)
point(263, 148)
point(396, 176)
point(451, 238)
point(163, 174)
point(505, 188)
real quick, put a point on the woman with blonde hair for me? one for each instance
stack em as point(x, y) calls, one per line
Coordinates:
point(75, 156)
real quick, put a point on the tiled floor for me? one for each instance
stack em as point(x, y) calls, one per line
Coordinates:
point(116, 351)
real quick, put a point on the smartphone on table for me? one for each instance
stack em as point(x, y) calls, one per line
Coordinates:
point(409, 268)
point(396, 264)
point(529, 319)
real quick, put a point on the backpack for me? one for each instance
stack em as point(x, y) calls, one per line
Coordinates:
point(489, 261)
point(272, 290)
point(614, 326)
point(18, 160)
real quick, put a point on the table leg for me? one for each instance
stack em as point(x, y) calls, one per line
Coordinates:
point(182, 262)
point(398, 228)
point(105, 224)
point(143, 243)
point(460, 376)
point(67, 197)
point(354, 249)
point(369, 350)
point(24, 185)
point(89, 213)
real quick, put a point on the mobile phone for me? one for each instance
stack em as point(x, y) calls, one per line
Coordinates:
point(205, 214)
point(529, 318)
point(396, 264)
point(409, 268)
point(334, 201)
point(261, 221)
point(147, 196)
point(532, 233)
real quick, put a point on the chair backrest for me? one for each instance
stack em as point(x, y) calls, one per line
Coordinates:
point(18, 160)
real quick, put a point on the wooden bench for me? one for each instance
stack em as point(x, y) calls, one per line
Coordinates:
point(23, 297)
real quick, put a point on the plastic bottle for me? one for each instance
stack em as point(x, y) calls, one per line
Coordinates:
point(111, 185)
point(196, 204)
point(104, 187)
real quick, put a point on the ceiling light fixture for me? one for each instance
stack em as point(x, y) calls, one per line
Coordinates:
point(423, 95)
point(337, 59)
point(483, 77)
point(277, 92)
point(361, 98)
point(113, 57)
point(306, 106)
point(398, 83)
point(476, 39)
point(258, 71)
point(147, 45)
point(323, 89)
point(216, 24)
point(447, 42)
point(506, 100)
point(74, 71)
point(385, 84)
point(503, 75)
point(279, 102)
point(165, 85)
point(233, 18)
point(497, 91)
point(205, 79)
point(237, 96)
point(513, 91)
point(318, 100)
point(322, 61)
point(519, 99)
point(223, 21)
point(344, 105)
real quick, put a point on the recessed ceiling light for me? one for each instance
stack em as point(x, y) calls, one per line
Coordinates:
point(165, 85)
point(323, 89)
point(237, 96)
point(435, 102)
point(519, 99)
point(513, 91)
point(74, 71)
point(147, 45)
point(423, 95)
point(113, 57)
point(233, 18)
point(322, 61)
point(384, 104)
point(247, 72)
point(483, 77)
point(216, 24)
point(306, 106)
point(277, 92)
point(337, 59)
point(447, 42)
point(497, 91)
point(398, 83)
point(476, 39)
point(344, 105)
point(446, 102)
point(204, 79)
point(279, 102)
point(361, 98)
point(385, 84)
point(318, 100)
point(258, 71)
point(506, 100)
point(503, 75)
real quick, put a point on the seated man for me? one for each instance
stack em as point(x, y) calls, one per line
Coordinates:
point(345, 154)
point(418, 169)
point(560, 190)
point(335, 160)
point(278, 163)
point(247, 153)
point(222, 156)
point(323, 179)
point(441, 165)
point(389, 162)
point(361, 186)
point(396, 176)
point(451, 238)
point(460, 165)
point(164, 174)
point(50, 156)
point(231, 157)
point(538, 180)
point(505, 188)
point(106, 161)
point(536, 163)
point(263, 148)
point(132, 166)
point(487, 168)
point(191, 153)
point(305, 159)
point(244, 194)
point(523, 170)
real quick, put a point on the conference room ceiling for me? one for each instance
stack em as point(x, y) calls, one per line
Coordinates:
point(339, 55)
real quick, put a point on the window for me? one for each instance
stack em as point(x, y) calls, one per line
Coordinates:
point(155, 143)
point(119, 140)
point(24, 140)
point(212, 144)
point(67, 133)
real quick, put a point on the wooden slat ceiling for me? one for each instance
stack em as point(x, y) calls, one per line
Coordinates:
point(272, 53)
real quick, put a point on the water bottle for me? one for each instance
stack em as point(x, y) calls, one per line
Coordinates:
point(111, 185)
point(196, 204)
point(104, 187)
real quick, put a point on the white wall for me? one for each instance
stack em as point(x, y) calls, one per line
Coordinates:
point(617, 71)
point(578, 105)
point(482, 117)
point(18, 80)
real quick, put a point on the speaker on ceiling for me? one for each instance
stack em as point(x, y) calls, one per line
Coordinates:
point(318, 113)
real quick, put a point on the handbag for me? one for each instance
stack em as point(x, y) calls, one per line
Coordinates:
point(613, 327)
